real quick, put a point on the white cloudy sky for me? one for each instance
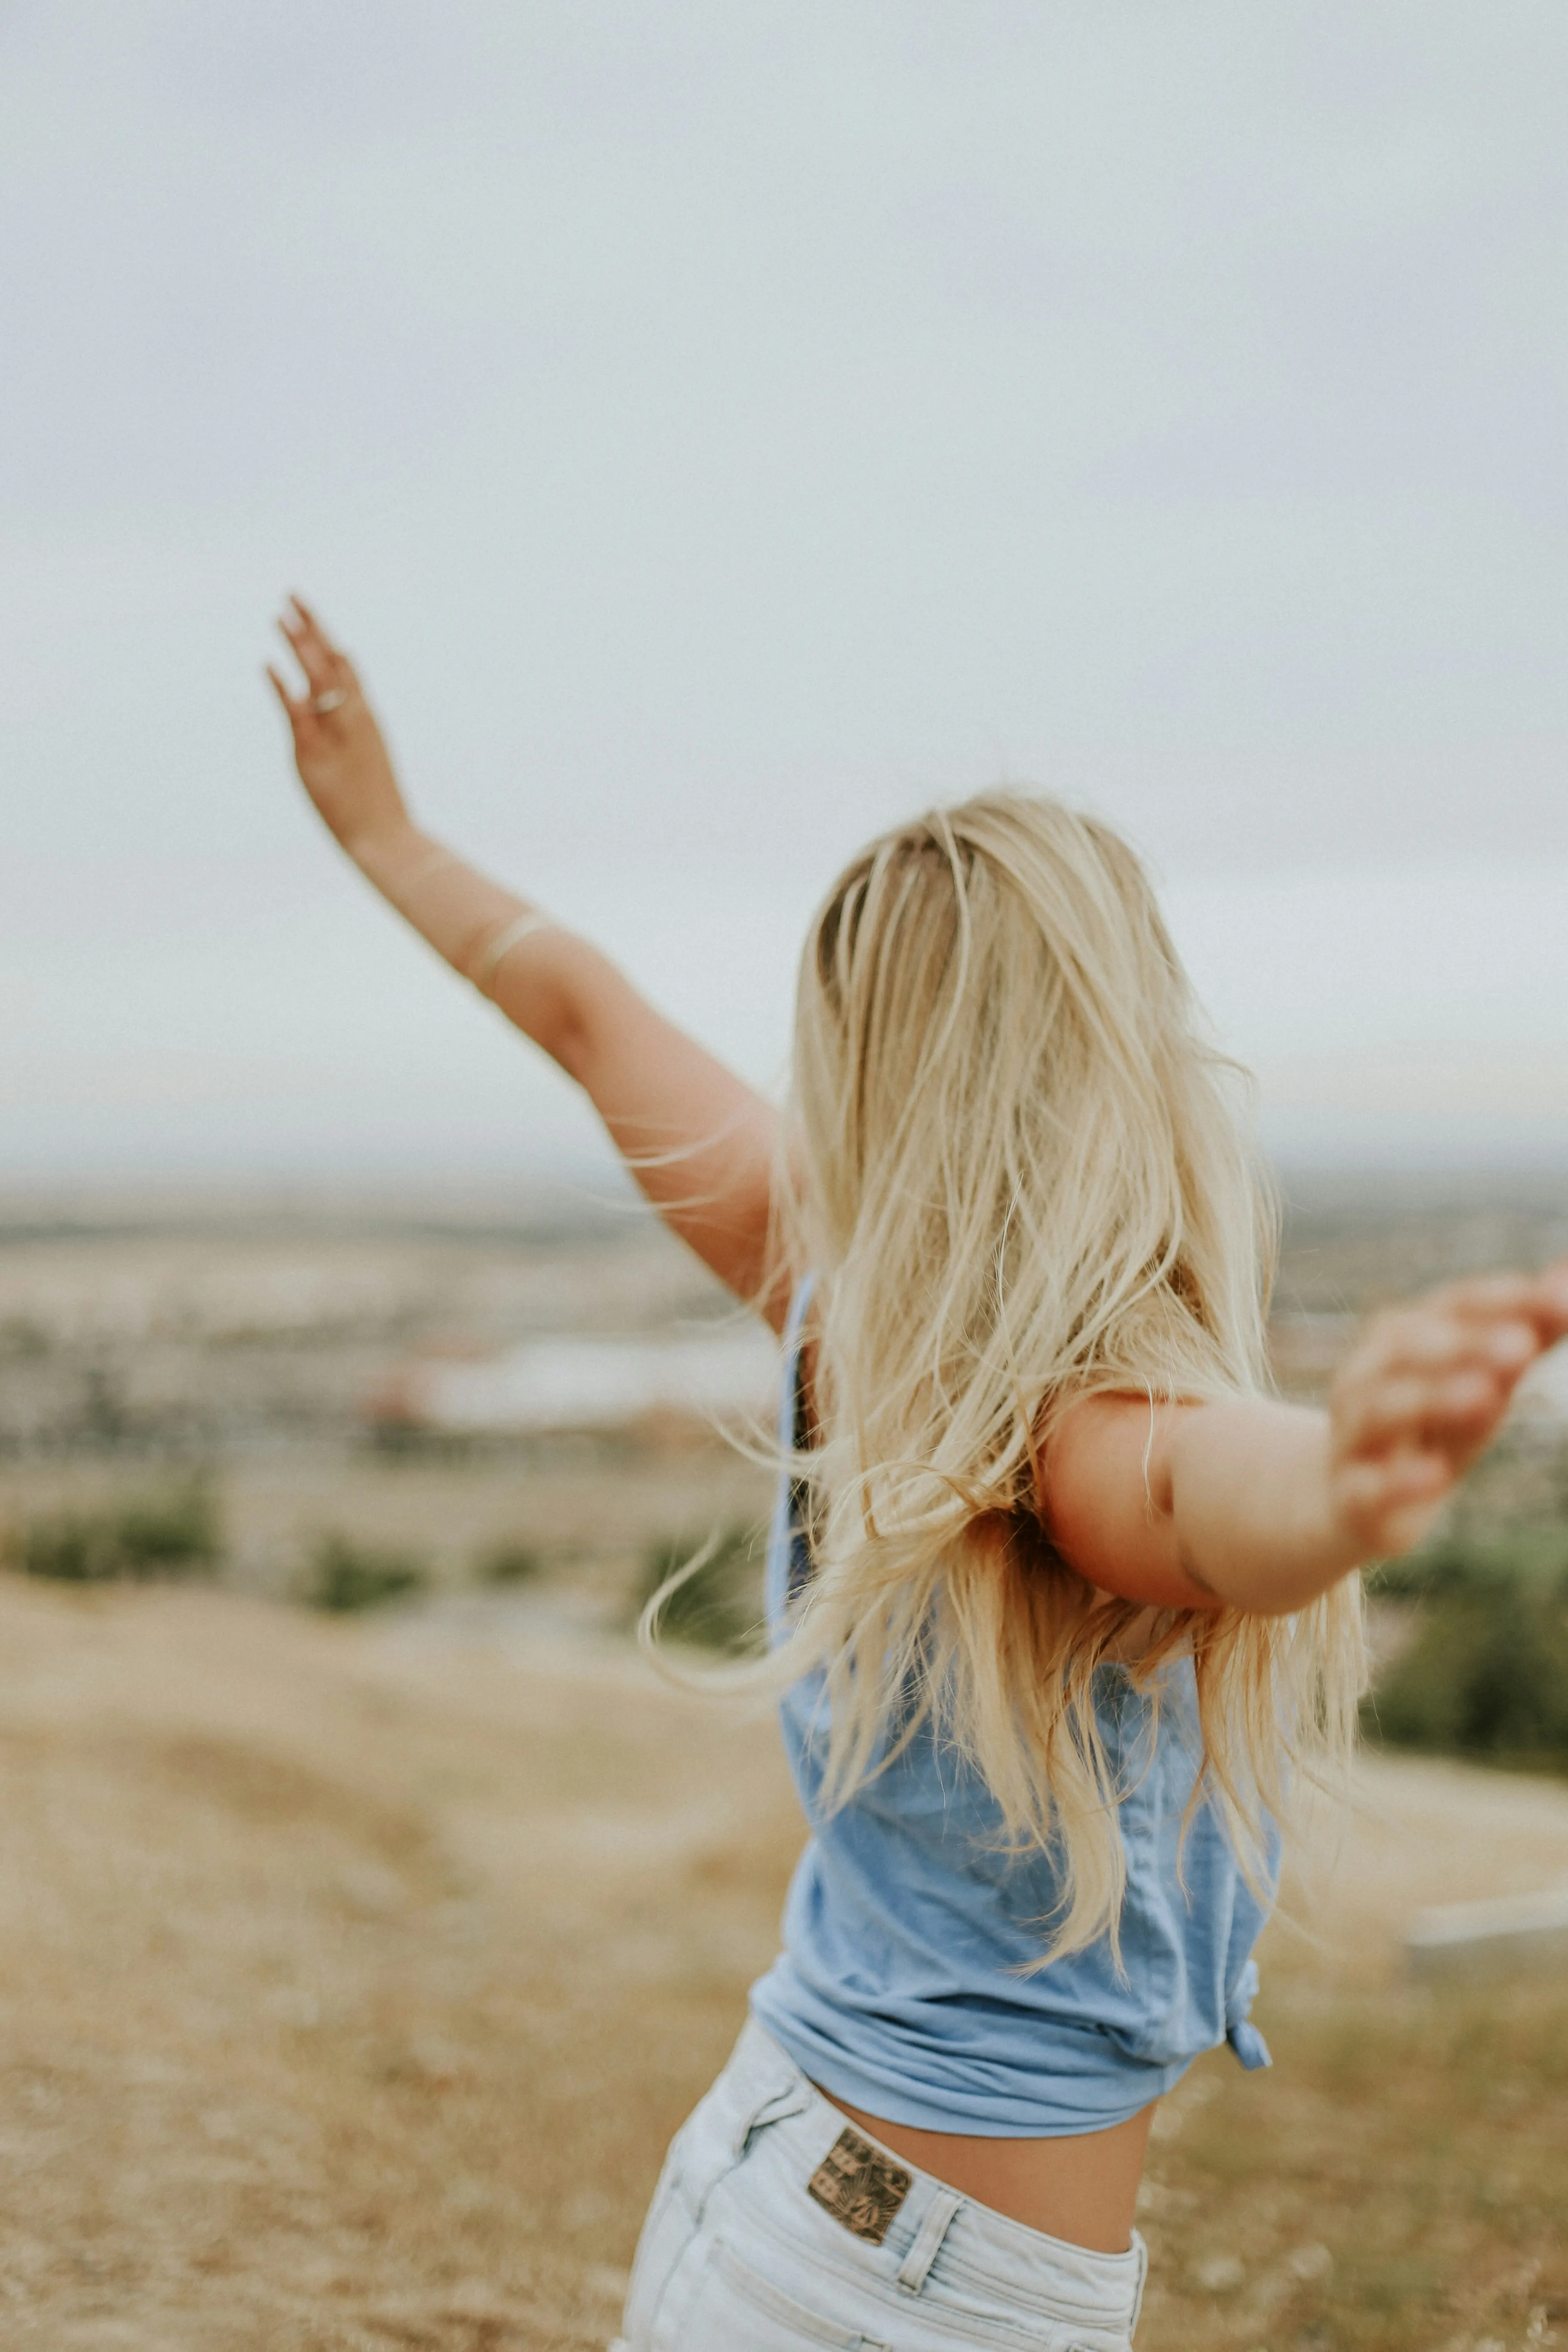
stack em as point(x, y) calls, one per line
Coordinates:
point(719, 428)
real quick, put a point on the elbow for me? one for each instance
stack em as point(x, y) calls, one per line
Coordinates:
point(570, 1045)
point(558, 1028)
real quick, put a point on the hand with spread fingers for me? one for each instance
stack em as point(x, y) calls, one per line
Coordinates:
point(339, 749)
point(1424, 1392)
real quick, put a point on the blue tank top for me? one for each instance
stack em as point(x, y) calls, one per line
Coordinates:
point(900, 1987)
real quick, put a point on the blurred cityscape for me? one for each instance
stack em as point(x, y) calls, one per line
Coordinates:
point(530, 1403)
point(455, 1398)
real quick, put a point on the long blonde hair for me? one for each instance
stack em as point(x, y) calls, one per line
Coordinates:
point(1020, 1176)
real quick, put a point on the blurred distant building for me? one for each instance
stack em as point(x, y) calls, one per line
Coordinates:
point(672, 1388)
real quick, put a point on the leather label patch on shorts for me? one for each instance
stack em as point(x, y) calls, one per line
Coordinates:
point(859, 2186)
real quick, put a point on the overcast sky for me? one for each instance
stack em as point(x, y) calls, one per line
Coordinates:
point(719, 429)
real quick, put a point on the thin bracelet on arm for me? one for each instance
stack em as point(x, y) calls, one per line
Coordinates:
point(500, 946)
point(471, 921)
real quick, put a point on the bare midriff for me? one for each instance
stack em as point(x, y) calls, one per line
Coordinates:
point(1081, 2188)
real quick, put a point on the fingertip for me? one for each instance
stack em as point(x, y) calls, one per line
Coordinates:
point(1511, 1344)
point(1471, 1396)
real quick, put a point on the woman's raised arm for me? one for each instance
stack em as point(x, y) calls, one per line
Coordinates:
point(698, 1140)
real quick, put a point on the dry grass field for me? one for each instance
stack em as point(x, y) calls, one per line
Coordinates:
point(353, 1973)
point(353, 1976)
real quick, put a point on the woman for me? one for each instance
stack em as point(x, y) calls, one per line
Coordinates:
point(1061, 1596)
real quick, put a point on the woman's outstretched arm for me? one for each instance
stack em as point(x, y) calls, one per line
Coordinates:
point(1263, 1504)
point(698, 1140)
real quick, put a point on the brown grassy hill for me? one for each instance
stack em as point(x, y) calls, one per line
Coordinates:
point(352, 1977)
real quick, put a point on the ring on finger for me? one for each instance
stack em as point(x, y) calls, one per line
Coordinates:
point(334, 699)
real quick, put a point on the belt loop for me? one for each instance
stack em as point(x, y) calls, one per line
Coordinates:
point(748, 2097)
point(793, 2100)
point(915, 2267)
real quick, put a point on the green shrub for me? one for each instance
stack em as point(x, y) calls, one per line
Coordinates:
point(171, 1533)
point(71, 1547)
point(344, 1575)
point(1487, 1672)
point(177, 1532)
point(720, 1607)
point(507, 1563)
point(1455, 1564)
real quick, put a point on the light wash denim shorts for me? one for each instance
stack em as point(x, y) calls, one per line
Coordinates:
point(777, 2227)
